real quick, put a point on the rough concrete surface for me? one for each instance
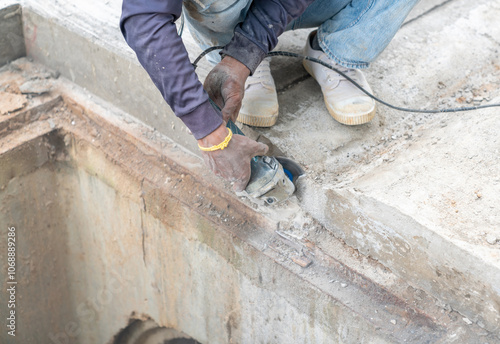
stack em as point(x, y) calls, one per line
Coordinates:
point(420, 185)
point(12, 41)
point(413, 196)
point(109, 210)
point(11, 102)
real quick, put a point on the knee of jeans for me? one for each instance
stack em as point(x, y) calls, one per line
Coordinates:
point(216, 15)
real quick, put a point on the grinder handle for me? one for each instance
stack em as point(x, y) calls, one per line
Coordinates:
point(234, 128)
point(230, 124)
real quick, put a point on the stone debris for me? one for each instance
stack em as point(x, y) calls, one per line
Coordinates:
point(491, 239)
point(302, 261)
point(467, 321)
point(35, 87)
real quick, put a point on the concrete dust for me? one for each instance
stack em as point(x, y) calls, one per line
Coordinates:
point(338, 154)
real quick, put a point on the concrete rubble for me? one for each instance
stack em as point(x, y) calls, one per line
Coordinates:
point(393, 235)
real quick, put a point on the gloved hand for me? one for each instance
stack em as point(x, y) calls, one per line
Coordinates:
point(225, 85)
point(233, 162)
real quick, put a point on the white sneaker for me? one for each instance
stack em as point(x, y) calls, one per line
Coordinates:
point(260, 102)
point(345, 102)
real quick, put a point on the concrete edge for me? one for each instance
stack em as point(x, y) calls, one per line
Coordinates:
point(11, 34)
point(112, 73)
point(416, 253)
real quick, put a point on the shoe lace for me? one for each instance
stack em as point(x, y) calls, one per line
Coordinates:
point(261, 74)
point(334, 76)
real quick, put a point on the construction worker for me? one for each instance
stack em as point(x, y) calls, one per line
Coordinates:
point(350, 34)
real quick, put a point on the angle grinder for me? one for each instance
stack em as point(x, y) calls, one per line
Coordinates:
point(272, 179)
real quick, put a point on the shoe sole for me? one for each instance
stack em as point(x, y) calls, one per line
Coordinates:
point(351, 119)
point(258, 121)
point(342, 118)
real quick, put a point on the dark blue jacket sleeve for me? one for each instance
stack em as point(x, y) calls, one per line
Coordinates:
point(148, 27)
point(258, 34)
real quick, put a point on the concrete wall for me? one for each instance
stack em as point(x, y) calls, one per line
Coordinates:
point(114, 74)
point(11, 34)
point(29, 202)
point(423, 257)
point(94, 250)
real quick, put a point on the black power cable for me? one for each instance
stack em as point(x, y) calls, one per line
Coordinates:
point(290, 54)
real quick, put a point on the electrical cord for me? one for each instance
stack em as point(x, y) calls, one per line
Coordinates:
point(290, 54)
point(181, 26)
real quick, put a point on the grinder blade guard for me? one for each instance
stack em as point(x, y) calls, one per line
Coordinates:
point(272, 179)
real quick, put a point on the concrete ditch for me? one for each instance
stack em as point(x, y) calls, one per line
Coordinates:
point(120, 227)
point(280, 271)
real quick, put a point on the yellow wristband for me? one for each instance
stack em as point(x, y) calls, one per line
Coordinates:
point(221, 145)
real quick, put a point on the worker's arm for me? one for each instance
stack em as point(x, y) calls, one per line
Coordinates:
point(148, 27)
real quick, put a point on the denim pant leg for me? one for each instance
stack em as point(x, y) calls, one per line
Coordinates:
point(212, 22)
point(351, 32)
point(358, 32)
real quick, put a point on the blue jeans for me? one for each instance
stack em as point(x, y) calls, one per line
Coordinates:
point(351, 32)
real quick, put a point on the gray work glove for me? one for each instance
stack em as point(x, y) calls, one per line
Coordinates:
point(233, 162)
point(225, 85)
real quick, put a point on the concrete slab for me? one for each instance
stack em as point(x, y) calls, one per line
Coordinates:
point(12, 42)
point(6, 3)
point(369, 185)
point(400, 185)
